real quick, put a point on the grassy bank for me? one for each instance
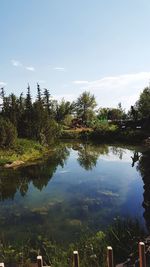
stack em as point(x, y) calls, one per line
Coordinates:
point(24, 150)
point(106, 134)
point(29, 150)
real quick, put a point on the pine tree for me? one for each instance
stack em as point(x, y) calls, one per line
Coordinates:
point(27, 117)
point(46, 101)
point(39, 97)
point(28, 101)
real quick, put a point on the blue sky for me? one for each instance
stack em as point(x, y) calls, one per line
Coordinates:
point(69, 46)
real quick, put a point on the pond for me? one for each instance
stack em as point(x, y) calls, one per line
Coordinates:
point(79, 188)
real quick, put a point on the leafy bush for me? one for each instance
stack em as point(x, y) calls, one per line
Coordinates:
point(103, 131)
point(50, 132)
point(8, 133)
point(68, 120)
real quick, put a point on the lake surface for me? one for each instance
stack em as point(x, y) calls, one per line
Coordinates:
point(79, 188)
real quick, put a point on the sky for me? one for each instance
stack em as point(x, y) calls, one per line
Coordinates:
point(69, 46)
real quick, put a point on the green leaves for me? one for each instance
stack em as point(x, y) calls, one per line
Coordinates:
point(8, 133)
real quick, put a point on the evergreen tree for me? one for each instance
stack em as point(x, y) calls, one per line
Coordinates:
point(46, 101)
point(28, 100)
point(13, 109)
point(38, 114)
point(26, 120)
point(39, 97)
point(5, 104)
point(8, 133)
point(2, 93)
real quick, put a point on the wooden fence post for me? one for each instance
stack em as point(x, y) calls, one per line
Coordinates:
point(110, 261)
point(39, 261)
point(142, 254)
point(2, 264)
point(76, 259)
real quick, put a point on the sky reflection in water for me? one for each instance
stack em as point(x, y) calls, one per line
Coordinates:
point(79, 188)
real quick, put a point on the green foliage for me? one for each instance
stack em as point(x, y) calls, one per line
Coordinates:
point(63, 109)
point(104, 131)
point(143, 104)
point(8, 133)
point(23, 150)
point(122, 235)
point(68, 120)
point(105, 127)
point(111, 113)
point(33, 120)
point(50, 131)
point(82, 133)
point(85, 105)
point(37, 119)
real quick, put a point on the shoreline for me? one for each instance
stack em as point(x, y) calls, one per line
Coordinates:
point(28, 152)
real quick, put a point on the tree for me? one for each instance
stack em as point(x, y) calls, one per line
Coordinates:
point(28, 101)
point(2, 93)
point(46, 101)
point(63, 109)
point(13, 109)
point(143, 104)
point(133, 113)
point(8, 133)
point(5, 104)
point(85, 107)
point(87, 158)
point(26, 120)
point(49, 132)
point(111, 113)
point(39, 97)
point(103, 114)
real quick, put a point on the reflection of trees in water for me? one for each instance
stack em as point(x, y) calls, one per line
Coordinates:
point(12, 181)
point(88, 155)
point(117, 151)
point(144, 168)
point(135, 158)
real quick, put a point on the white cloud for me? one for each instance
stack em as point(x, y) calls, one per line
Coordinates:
point(3, 84)
point(30, 68)
point(16, 63)
point(59, 68)
point(111, 90)
point(80, 82)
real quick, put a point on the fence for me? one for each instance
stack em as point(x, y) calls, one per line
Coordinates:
point(141, 262)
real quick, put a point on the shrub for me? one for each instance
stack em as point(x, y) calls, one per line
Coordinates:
point(8, 133)
point(50, 132)
point(68, 120)
point(103, 131)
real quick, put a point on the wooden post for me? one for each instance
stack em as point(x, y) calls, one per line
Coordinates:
point(39, 261)
point(142, 254)
point(110, 261)
point(76, 259)
point(2, 264)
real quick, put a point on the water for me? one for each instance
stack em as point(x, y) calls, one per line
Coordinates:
point(79, 188)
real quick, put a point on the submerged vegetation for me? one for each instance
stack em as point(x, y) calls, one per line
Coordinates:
point(123, 235)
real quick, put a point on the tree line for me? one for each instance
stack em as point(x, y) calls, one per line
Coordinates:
point(42, 119)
